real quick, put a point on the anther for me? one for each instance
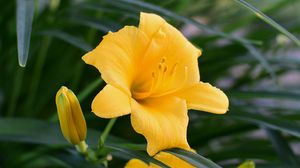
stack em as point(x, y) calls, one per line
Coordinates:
point(165, 69)
point(160, 66)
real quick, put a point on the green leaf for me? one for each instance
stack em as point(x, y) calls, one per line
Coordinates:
point(264, 62)
point(268, 20)
point(25, 12)
point(89, 89)
point(75, 41)
point(266, 121)
point(264, 94)
point(42, 132)
point(101, 25)
point(282, 148)
point(137, 155)
point(193, 158)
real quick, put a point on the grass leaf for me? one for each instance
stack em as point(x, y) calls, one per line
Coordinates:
point(269, 122)
point(268, 20)
point(193, 158)
point(283, 149)
point(138, 155)
point(25, 12)
point(75, 41)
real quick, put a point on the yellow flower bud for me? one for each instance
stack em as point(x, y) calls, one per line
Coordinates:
point(72, 122)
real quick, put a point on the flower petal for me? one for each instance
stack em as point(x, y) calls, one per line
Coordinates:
point(150, 23)
point(163, 121)
point(136, 163)
point(171, 160)
point(170, 51)
point(111, 102)
point(115, 57)
point(203, 96)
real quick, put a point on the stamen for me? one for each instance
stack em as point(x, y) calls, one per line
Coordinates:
point(166, 68)
point(170, 81)
point(160, 65)
point(165, 80)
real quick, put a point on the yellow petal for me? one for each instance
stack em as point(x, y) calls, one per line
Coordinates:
point(115, 57)
point(111, 102)
point(136, 163)
point(170, 59)
point(203, 96)
point(77, 115)
point(150, 23)
point(163, 121)
point(171, 161)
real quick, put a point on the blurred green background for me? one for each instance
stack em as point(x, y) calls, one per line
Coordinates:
point(252, 61)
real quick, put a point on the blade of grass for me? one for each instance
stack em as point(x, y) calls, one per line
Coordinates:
point(268, 20)
point(16, 92)
point(193, 158)
point(98, 24)
point(264, 94)
point(264, 62)
point(25, 12)
point(75, 41)
point(282, 148)
point(266, 121)
point(43, 132)
point(138, 155)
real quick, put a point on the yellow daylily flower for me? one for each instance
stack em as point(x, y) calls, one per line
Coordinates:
point(152, 73)
point(164, 157)
point(71, 119)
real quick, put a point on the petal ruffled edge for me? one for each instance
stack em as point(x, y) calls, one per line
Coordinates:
point(170, 50)
point(116, 56)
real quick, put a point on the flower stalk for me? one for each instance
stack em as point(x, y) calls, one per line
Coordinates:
point(106, 133)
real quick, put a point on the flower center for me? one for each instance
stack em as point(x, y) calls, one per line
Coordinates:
point(164, 80)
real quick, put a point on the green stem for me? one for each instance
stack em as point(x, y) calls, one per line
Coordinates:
point(16, 92)
point(82, 147)
point(89, 89)
point(106, 132)
point(89, 154)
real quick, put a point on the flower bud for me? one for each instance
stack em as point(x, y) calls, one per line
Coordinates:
point(72, 122)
